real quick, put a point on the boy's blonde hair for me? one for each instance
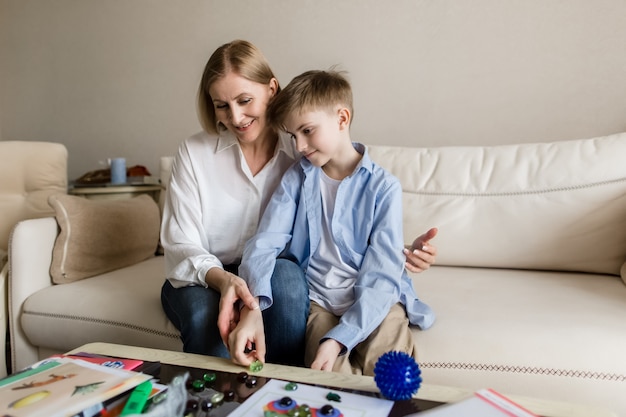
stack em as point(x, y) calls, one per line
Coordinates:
point(239, 56)
point(309, 91)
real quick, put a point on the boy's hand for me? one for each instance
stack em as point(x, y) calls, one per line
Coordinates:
point(246, 342)
point(326, 355)
point(421, 255)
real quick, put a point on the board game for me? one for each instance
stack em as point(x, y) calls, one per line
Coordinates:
point(221, 394)
point(322, 401)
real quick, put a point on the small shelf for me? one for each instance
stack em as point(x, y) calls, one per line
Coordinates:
point(116, 192)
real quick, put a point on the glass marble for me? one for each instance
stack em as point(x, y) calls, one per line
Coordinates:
point(333, 396)
point(209, 377)
point(217, 398)
point(197, 385)
point(256, 366)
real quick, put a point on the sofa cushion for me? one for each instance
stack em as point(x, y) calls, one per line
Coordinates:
point(121, 306)
point(98, 236)
point(551, 206)
point(546, 334)
point(29, 173)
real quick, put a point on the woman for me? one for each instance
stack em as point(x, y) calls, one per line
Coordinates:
point(222, 179)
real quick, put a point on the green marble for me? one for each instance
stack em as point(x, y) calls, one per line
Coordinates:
point(209, 377)
point(256, 366)
point(333, 396)
point(291, 386)
point(197, 385)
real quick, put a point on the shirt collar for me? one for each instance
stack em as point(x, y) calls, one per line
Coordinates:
point(365, 162)
point(226, 139)
point(287, 145)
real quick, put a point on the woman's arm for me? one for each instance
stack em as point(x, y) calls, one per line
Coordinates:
point(233, 290)
point(183, 235)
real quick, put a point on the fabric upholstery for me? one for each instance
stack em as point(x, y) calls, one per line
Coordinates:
point(544, 334)
point(553, 206)
point(98, 236)
point(29, 173)
point(121, 306)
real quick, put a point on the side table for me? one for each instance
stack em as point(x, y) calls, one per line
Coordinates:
point(116, 192)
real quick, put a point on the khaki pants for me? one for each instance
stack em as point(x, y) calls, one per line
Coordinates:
point(392, 334)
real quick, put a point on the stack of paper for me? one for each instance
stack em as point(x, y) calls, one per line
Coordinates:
point(59, 387)
point(484, 403)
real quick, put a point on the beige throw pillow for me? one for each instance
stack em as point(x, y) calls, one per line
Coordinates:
point(98, 236)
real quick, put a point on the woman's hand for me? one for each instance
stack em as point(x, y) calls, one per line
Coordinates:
point(421, 255)
point(326, 355)
point(232, 289)
point(246, 342)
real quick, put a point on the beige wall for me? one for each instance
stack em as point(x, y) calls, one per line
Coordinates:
point(118, 77)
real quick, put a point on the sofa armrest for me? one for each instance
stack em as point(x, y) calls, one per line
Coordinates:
point(4, 271)
point(30, 254)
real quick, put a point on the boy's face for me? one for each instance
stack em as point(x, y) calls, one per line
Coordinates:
point(320, 135)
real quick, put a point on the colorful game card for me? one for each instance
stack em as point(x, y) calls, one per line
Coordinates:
point(342, 403)
point(63, 387)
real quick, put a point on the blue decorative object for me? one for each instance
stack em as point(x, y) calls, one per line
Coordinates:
point(397, 376)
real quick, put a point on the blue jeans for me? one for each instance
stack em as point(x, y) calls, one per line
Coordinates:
point(194, 310)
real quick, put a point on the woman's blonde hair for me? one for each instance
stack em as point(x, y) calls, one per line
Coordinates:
point(239, 56)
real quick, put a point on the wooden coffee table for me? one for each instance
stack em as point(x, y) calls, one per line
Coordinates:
point(426, 392)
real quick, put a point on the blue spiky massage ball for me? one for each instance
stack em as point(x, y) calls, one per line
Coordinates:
point(397, 376)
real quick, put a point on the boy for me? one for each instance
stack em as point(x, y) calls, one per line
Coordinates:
point(339, 216)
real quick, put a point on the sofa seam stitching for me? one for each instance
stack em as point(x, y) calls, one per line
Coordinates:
point(514, 193)
point(605, 376)
point(110, 322)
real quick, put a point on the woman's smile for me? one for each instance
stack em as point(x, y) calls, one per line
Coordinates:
point(244, 127)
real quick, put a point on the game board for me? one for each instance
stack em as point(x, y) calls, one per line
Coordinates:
point(349, 404)
point(227, 392)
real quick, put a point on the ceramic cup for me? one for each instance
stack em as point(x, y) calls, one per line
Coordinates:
point(118, 170)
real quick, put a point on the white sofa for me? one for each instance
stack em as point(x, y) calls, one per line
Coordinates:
point(29, 173)
point(527, 287)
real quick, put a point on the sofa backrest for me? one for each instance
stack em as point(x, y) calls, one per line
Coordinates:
point(550, 206)
point(29, 173)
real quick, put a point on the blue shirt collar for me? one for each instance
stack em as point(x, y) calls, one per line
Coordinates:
point(365, 162)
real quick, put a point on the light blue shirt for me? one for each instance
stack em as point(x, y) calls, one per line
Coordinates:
point(367, 228)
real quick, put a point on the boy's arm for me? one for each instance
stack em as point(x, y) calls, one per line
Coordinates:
point(272, 236)
point(378, 283)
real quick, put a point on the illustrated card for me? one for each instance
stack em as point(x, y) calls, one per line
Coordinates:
point(63, 387)
point(343, 403)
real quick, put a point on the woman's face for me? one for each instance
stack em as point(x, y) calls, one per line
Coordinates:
point(241, 104)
